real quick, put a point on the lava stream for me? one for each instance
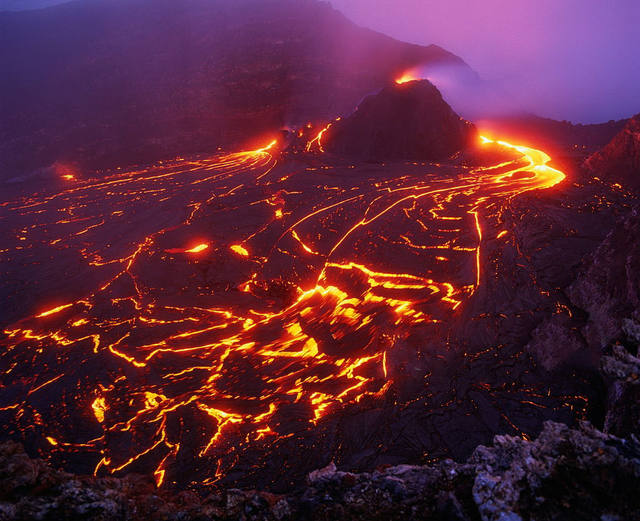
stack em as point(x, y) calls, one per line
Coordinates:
point(230, 295)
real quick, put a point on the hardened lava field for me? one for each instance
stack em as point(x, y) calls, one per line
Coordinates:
point(180, 317)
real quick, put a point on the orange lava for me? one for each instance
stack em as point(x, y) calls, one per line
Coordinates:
point(54, 310)
point(306, 327)
point(240, 250)
point(317, 140)
point(198, 248)
point(410, 75)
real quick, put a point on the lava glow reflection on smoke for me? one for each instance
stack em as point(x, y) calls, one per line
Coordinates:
point(407, 77)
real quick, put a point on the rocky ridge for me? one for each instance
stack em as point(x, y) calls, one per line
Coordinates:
point(619, 161)
point(402, 122)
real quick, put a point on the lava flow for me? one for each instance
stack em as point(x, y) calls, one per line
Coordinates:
point(408, 76)
point(236, 300)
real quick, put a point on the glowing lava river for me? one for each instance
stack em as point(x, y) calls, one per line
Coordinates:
point(230, 303)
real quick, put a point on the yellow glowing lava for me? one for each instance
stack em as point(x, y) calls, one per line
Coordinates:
point(198, 248)
point(99, 408)
point(54, 310)
point(410, 75)
point(240, 250)
point(312, 324)
point(265, 149)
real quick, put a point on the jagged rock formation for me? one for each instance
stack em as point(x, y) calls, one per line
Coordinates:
point(622, 370)
point(605, 324)
point(108, 82)
point(608, 289)
point(619, 161)
point(605, 293)
point(403, 122)
point(564, 474)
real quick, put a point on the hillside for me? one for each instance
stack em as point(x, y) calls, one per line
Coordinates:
point(106, 82)
point(619, 160)
point(402, 122)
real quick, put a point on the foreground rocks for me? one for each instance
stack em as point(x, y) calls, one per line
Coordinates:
point(564, 474)
point(622, 370)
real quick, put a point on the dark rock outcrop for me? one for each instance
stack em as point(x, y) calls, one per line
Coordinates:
point(565, 474)
point(403, 122)
point(603, 327)
point(619, 161)
point(622, 371)
point(604, 297)
point(608, 289)
point(550, 335)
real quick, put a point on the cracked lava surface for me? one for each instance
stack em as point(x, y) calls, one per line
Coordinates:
point(237, 300)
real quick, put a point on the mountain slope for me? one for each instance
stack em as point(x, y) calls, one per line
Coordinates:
point(106, 82)
point(403, 122)
point(620, 160)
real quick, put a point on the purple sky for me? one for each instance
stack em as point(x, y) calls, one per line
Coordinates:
point(567, 59)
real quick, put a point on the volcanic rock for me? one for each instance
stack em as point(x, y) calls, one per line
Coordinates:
point(556, 477)
point(608, 289)
point(552, 333)
point(410, 121)
point(564, 474)
point(619, 161)
point(621, 369)
point(605, 299)
point(603, 329)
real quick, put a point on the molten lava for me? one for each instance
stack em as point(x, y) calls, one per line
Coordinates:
point(410, 75)
point(198, 248)
point(240, 250)
point(293, 312)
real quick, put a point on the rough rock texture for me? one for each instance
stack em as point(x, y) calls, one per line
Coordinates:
point(609, 288)
point(549, 336)
point(621, 368)
point(603, 326)
point(564, 474)
point(620, 159)
point(403, 122)
point(603, 301)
